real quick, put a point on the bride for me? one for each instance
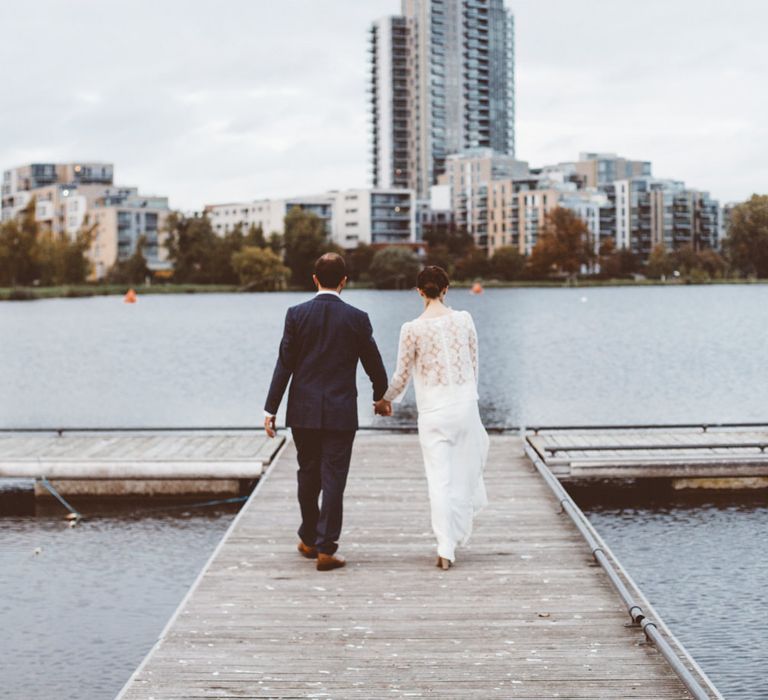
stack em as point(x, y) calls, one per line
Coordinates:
point(439, 349)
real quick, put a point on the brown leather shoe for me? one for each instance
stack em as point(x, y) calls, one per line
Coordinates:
point(305, 551)
point(328, 562)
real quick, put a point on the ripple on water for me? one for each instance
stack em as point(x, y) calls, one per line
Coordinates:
point(704, 568)
point(103, 591)
point(92, 602)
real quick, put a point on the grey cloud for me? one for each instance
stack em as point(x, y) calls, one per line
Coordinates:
point(241, 99)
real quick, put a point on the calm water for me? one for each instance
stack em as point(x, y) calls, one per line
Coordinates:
point(704, 568)
point(96, 597)
point(80, 607)
point(548, 355)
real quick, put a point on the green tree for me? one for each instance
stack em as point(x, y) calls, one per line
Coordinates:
point(260, 269)
point(474, 263)
point(457, 240)
point(685, 259)
point(441, 256)
point(698, 266)
point(746, 244)
point(77, 265)
point(507, 263)
point(221, 268)
point(305, 241)
point(564, 244)
point(255, 237)
point(394, 268)
point(194, 248)
point(50, 252)
point(620, 263)
point(133, 270)
point(276, 243)
point(61, 259)
point(447, 245)
point(660, 263)
point(18, 248)
point(359, 260)
point(714, 264)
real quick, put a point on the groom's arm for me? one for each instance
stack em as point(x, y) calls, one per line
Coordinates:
point(286, 362)
point(371, 359)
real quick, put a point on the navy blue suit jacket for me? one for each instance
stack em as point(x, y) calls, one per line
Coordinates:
point(322, 342)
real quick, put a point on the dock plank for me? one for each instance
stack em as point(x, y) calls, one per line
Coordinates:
point(142, 455)
point(523, 614)
point(689, 453)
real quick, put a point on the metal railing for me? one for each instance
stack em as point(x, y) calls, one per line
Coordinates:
point(412, 427)
point(60, 431)
point(666, 447)
point(704, 427)
point(136, 429)
point(640, 610)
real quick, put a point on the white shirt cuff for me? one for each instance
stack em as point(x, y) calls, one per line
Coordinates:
point(267, 414)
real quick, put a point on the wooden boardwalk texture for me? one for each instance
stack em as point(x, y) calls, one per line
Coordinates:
point(148, 455)
point(525, 613)
point(663, 452)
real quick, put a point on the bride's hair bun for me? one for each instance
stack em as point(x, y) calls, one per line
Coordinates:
point(432, 280)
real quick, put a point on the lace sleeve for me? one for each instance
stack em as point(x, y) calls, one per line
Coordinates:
point(406, 355)
point(473, 346)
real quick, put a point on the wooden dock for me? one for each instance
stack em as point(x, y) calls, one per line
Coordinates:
point(525, 613)
point(146, 462)
point(663, 452)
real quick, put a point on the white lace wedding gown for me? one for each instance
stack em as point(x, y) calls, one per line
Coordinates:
point(440, 353)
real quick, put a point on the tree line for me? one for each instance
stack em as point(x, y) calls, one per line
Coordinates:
point(249, 258)
point(246, 256)
point(565, 248)
point(31, 255)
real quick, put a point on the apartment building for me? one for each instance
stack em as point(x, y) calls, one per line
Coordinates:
point(120, 221)
point(21, 184)
point(591, 206)
point(516, 212)
point(442, 82)
point(70, 197)
point(503, 202)
point(62, 191)
point(372, 216)
point(652, 212)
point(602, 169)
point(468, 176)
point(388, 93)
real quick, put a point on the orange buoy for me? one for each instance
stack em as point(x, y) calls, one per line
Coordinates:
point(130, 296)
point(477, 288)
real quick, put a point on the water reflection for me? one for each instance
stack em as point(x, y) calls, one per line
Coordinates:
point(87, 602)
point(548, 356)
point(700, 559)
point(626, 355)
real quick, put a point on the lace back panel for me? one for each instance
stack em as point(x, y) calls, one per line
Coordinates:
point(437, 352)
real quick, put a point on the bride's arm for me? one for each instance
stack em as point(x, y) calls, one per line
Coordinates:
point(473, 352)
point(406, 355)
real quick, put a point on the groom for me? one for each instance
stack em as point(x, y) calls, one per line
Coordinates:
point(322, 342)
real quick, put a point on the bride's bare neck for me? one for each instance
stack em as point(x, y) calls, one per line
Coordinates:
point(434, 308)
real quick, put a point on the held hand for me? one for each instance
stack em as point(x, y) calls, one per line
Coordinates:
point(269, 426)
point(382, 407)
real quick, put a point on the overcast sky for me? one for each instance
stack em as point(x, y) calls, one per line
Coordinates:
point(241, 99)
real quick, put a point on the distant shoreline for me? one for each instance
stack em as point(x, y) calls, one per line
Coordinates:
point(93, 290)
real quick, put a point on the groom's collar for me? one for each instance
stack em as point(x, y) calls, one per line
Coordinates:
point(328, 294)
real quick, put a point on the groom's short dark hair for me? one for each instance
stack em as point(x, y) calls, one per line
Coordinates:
point(330, 269)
